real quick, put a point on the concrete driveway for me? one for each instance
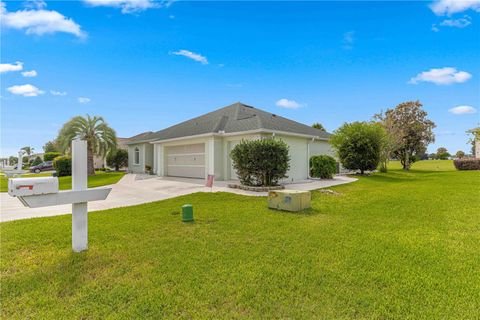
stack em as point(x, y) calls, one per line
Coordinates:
point(133, 189)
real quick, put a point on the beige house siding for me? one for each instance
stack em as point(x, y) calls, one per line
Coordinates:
point(477, 148)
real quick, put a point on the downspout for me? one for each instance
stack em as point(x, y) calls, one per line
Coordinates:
point(308, 158)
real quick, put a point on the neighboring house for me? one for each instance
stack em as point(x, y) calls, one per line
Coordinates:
point(101, 162)
point(34, 156)
point(201, 146)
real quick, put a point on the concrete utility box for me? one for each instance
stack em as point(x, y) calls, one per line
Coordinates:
point(20, 187)
point(289, 200)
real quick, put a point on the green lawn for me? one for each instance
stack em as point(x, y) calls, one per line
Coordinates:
point(400, 245)
point(100, 178)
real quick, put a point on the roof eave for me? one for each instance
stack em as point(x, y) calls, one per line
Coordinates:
point(209, 134)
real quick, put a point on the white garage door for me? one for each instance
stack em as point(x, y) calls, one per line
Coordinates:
point(186, 161)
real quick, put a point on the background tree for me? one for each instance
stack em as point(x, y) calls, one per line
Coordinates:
point(319, 126)
point(99, 136)
point(409, 131)
point(51, 146)
point(475, 135)
point(12, 160)
point(28, 150)
point(460, 154)
point(37, 161)
point(117, 159)
point(359, 145)
point(442, 153)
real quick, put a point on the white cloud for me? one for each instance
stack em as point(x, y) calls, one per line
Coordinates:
point(39, 22)
point(58, 93)
point(84, 100)
point(192, 55)
point(435, 28)
point(26, 90)
point(441, 76)
point(457, 23)
point(7, 67)
point(129, 6)
point(449, 7)
point(29, 74)
point(463, 110)
point(35, 4)
point(348, 40)
point(288, 104)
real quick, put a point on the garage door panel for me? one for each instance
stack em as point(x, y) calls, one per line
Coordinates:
point(186, 160)
point(188, 172)
point(186, 149)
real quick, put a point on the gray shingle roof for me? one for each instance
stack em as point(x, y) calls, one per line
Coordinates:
point(237, 117)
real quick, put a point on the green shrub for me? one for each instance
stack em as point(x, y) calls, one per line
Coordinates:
point(63, 166)
point(37, 161)
point(359, 145)
point(261, 162)
point(467, 164)
point(49, 156)
point(117, 159)
point(323, 167)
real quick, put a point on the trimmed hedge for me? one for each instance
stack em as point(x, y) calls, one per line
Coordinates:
point(323, 167)
point(467, 164)
point(63, 166)
point(49, 156)
point(261, 162)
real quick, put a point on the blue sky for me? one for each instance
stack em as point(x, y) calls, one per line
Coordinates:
point(146, 65)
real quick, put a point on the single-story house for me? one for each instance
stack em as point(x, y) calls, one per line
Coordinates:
point(201, 146)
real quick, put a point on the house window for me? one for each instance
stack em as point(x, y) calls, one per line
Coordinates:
point(136, 157)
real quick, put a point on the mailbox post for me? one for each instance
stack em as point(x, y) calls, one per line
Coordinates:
point(43, 192)
point(79, 183)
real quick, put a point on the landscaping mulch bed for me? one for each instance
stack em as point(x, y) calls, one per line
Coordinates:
point(255, 189)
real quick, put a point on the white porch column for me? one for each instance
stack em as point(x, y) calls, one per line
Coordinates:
point(155, 158)
point(160, 160)
point(79, 182)
point(210, 146)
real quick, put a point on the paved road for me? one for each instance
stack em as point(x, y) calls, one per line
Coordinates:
point(131, 191)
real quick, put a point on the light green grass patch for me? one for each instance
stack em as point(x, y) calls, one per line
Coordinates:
point(400, 245)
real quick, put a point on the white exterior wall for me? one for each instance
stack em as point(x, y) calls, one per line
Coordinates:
point(319, 147)
point(298, 151)
point(140, 167)
point(477, 148)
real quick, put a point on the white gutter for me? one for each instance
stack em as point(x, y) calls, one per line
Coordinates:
point(215, 134)
point(203, 135)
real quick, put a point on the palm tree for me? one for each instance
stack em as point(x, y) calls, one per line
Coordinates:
point(99, 136)
point(28, 150)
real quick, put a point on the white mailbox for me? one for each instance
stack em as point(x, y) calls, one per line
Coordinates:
point(21, 187)
point(43, 192)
